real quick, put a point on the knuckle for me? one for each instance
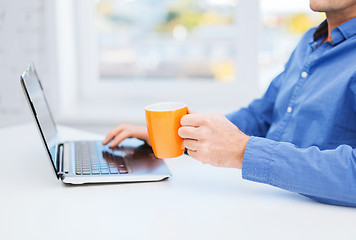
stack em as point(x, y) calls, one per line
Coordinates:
point(210, 120)
point(123, 126)
point(203, 146)
point(118, 127)
point(205, 121)
point(126, 134)
point(202, 137)
point(205, 132)
point(115, 132)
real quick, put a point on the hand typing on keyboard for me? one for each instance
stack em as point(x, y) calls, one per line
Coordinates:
point(123, 131)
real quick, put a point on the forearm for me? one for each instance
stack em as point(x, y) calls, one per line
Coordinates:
point(328, 176)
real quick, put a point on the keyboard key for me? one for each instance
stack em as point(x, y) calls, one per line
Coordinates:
point(95, 167)
point(89, 161)
point(103, 164)
point(123, 171)
point(114, 170)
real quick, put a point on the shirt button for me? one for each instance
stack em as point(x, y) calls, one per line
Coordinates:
point(289, 109)
point(304, 74)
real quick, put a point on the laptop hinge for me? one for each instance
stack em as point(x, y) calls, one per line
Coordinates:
point(66, 158)
point(60, 159)
point(63, 158)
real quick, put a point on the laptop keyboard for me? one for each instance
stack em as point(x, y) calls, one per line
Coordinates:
point(92, 158)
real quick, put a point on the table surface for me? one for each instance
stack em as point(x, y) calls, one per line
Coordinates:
point(198, 202)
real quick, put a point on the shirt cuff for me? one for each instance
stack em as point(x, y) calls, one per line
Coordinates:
point(257, 159)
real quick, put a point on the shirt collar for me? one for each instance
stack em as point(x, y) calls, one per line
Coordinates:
point(321, 31)
point(339, 34)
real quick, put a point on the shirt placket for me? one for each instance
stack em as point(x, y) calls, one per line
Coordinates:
point(304, 75)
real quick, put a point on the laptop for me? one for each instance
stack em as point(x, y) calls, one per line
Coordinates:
point(79, 162)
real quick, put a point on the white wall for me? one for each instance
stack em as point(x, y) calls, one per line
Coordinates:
point(26, 35)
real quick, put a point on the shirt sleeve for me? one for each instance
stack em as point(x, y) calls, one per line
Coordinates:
point(257, 117)
point(327, 176)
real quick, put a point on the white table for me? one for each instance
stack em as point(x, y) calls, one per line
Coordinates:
point(197, 202)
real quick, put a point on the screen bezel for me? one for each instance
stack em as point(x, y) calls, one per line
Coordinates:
point(29, 71)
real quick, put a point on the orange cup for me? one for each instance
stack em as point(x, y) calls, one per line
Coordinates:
point(163, 122)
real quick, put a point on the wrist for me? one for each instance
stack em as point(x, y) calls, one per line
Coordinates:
point(246, 139)
point(241, 151)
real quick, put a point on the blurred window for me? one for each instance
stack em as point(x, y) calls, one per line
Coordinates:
point(202, 52)
point(283, 25)
point(166, 39)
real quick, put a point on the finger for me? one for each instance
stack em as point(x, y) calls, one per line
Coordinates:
point(190, 111)
point(118, 139)
point(192, 153)
point(194, 120)
point(192, 145)
point(112, 134)
point(108, 138)
point(196, 156)
point(189, 132)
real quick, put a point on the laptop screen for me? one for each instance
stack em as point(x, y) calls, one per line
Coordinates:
point(40, 108)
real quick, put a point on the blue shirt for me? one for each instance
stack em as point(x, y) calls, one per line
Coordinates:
point(303, 130)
